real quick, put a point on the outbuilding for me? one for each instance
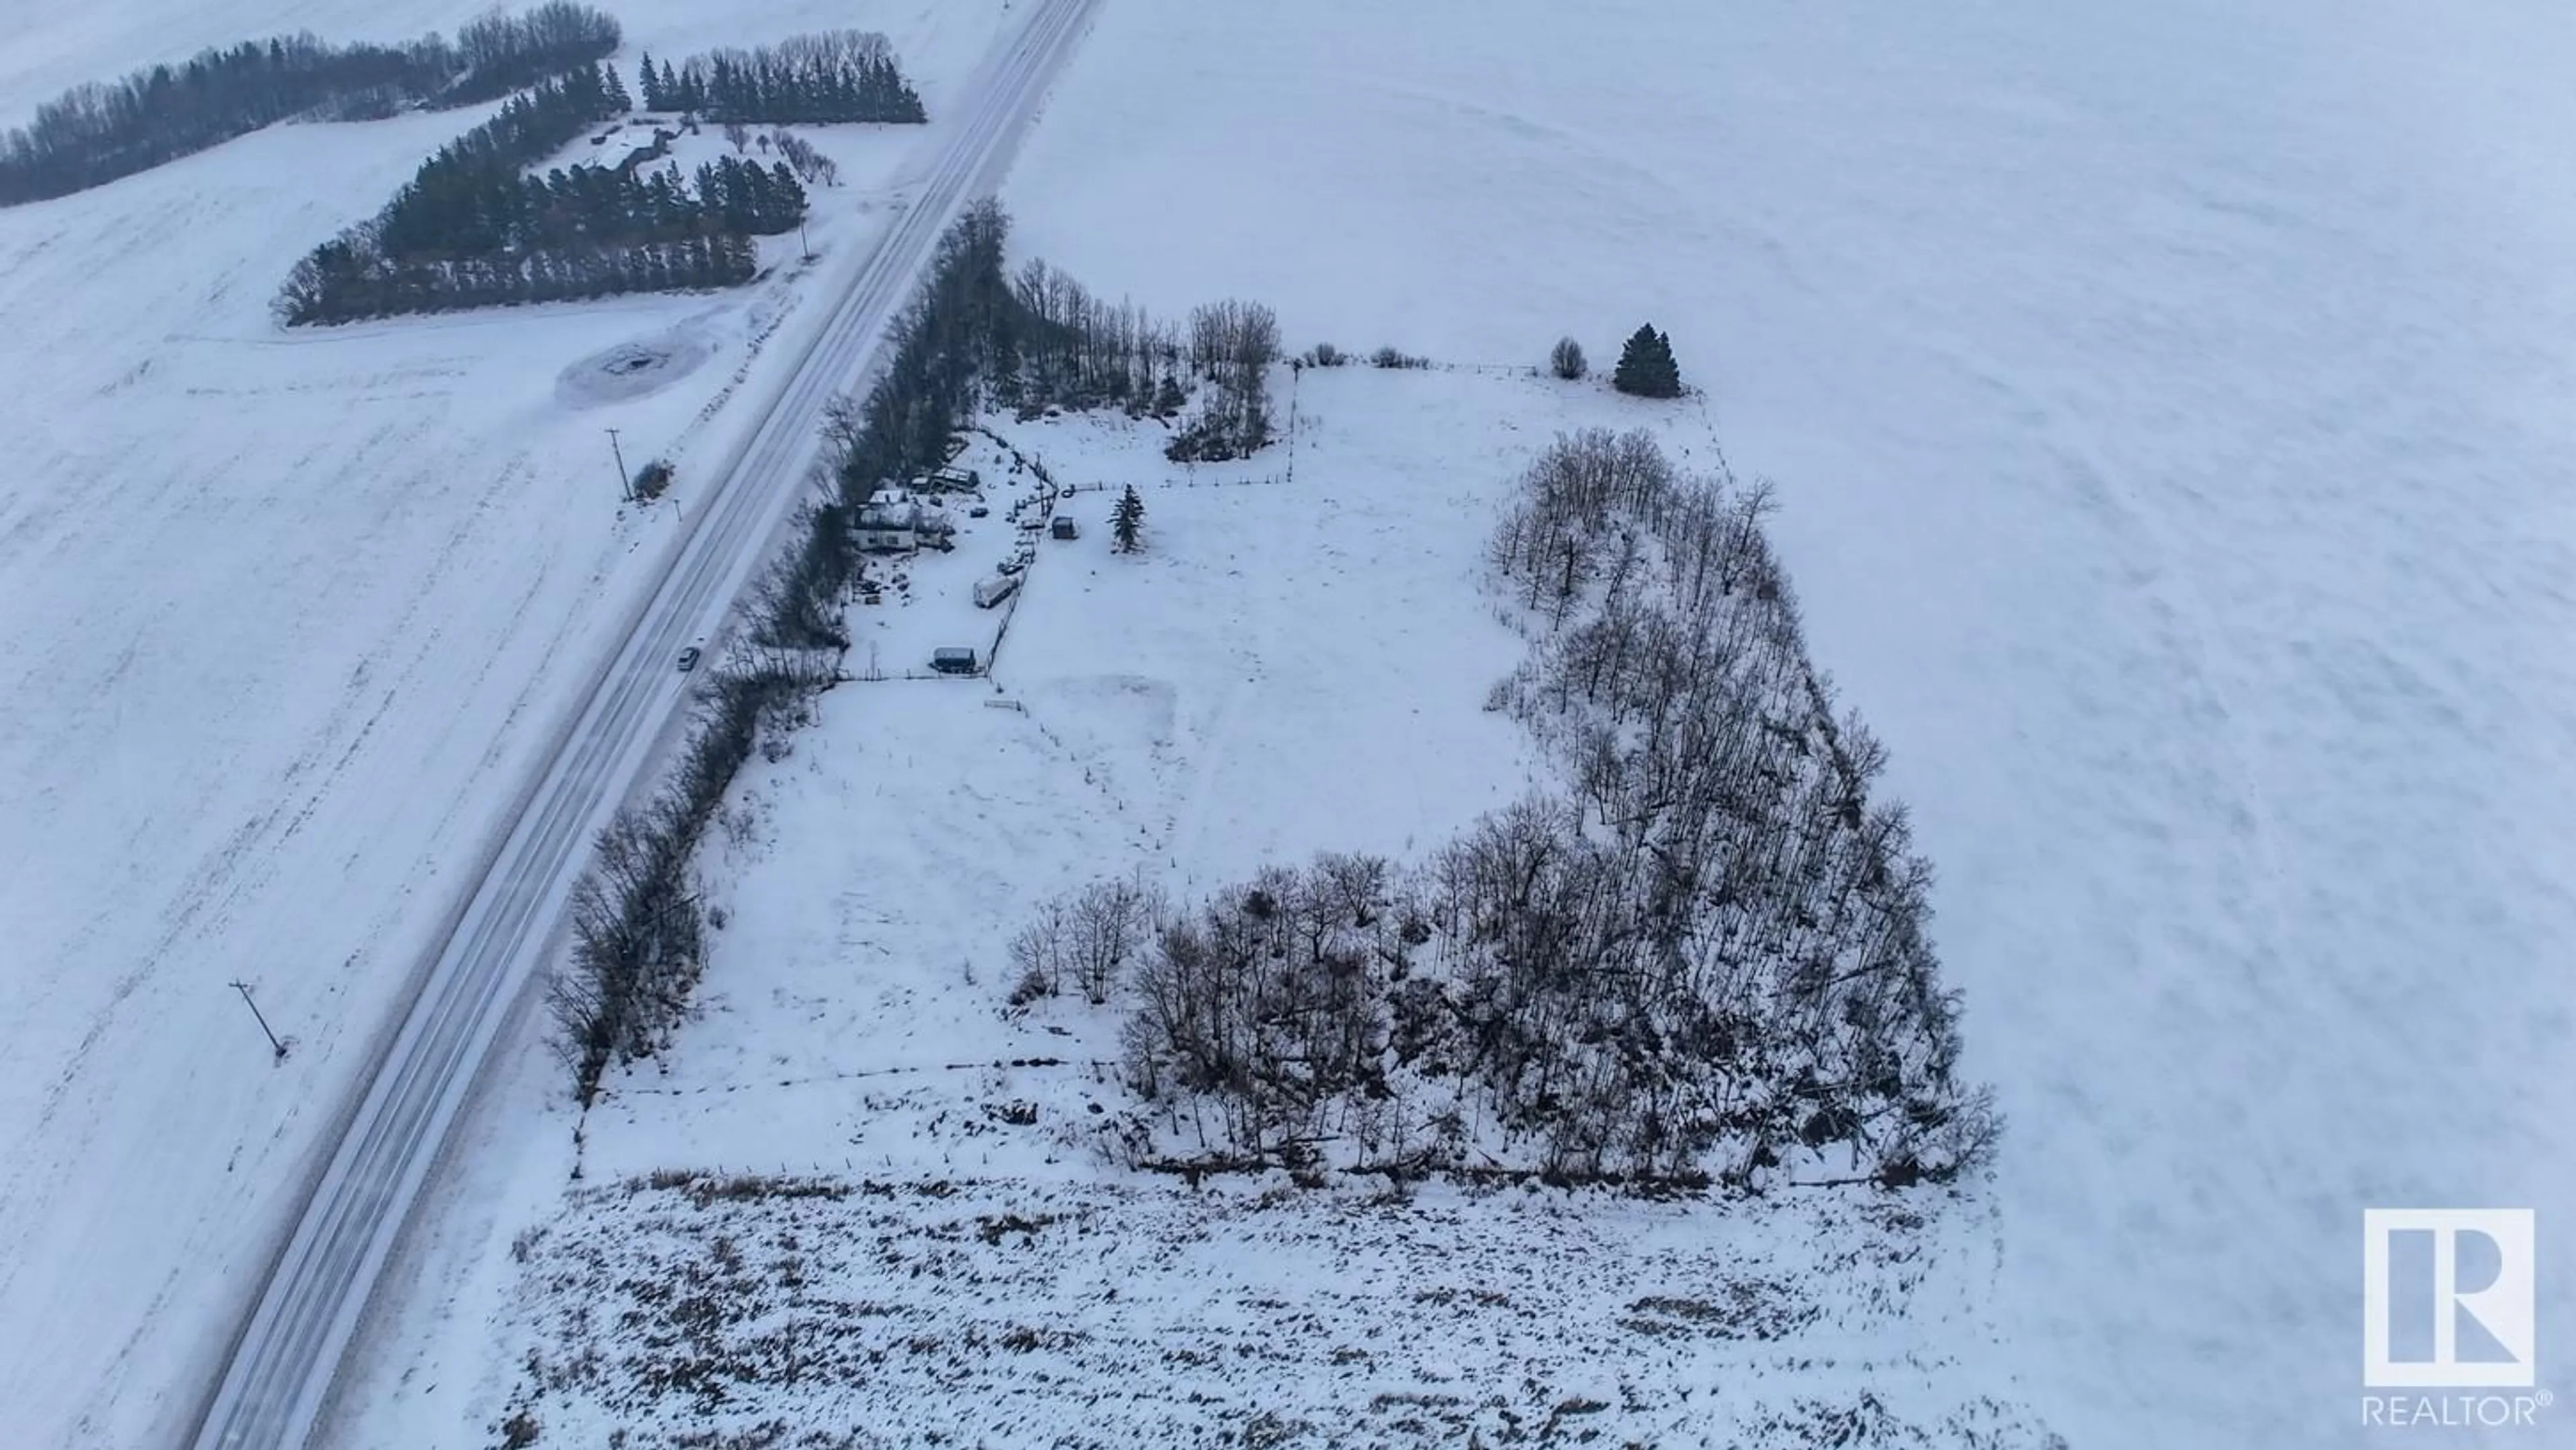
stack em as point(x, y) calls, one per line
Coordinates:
point(889, 523)
point(953, 661)
point(1064, 528)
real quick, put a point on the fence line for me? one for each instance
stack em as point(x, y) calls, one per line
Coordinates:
point(1293, 375)
point(1268, 480)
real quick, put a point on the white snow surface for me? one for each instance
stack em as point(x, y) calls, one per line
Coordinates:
point(1297, 662)
point(292, 617)
point(2169, 410)
point(2169, 405)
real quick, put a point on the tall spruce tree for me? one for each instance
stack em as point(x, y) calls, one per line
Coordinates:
point(1646, 367)
point(1126, 522)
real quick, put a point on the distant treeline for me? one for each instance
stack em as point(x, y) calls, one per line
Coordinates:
point(473, 230)
point(837, 75)
point(95, 133)
point(502, 53)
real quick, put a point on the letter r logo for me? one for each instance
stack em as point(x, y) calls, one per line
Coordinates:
point(2448, 1298)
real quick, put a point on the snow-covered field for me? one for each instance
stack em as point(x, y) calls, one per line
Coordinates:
point(862, 1313)
point(2168, 406)
point(290, 616)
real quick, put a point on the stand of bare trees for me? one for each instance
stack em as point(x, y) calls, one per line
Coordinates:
point(1078, 351)
point(811, 165)
point(1073, 350)
point(1232, 345)
point(1084, 940)
point(1709, 957)
point(502, 53)
point(639, 931)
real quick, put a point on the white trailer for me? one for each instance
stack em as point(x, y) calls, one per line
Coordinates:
point(989, 592)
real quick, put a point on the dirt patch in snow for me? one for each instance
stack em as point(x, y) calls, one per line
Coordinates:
point(636, 369)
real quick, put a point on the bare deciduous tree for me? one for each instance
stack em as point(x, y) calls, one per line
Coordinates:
point(1709, 957)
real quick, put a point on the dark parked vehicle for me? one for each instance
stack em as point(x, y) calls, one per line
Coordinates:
point(688, 659)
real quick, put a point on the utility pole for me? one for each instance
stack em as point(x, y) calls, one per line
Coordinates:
point(802, 242)
point(625, 486)
point(244, 989)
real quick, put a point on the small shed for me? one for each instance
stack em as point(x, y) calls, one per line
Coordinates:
point(957, 661)
point(1064, 528)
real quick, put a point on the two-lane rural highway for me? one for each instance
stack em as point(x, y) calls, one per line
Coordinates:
point(281, 1370)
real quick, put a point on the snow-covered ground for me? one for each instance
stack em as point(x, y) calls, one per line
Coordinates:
point(865, 1313)
point(2169, 409)
point(1292, 665)
point(2168, 405)
point(290, 616)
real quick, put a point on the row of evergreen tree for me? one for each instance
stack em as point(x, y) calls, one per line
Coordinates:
point(835, 75)
point(96, 133)
point(344, 281)
point(449, 206)
point(471, 229)
point(506, 212)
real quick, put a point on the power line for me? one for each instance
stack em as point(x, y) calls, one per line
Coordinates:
point(625, 485)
